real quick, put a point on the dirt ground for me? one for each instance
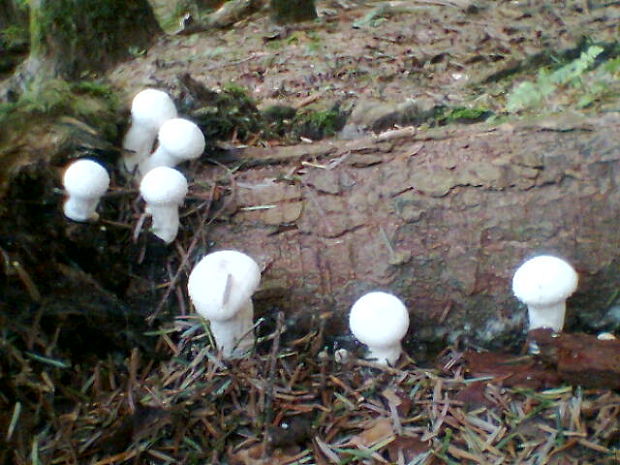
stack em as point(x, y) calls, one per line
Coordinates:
point(453, 53)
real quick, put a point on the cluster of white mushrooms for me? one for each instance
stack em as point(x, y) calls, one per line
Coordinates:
point(222, 283)
point(163, 188)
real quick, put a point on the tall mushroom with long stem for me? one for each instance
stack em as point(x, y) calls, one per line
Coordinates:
point(543, 283)
point(150, 108)
point(163, 190)
point(221, 287)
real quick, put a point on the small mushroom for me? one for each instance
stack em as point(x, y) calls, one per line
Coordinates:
point(150, 108)
point(179, 140)
point(606, 336)
point(164, 189)
point(221, 287)
point(380, 320)
point(543, 283)
point(85, 182)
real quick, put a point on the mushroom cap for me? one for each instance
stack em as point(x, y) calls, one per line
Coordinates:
point(152, 107)
point(379, 319)
point(163, 185)
point(544, 280)
point(86, 178)
point(182, 138)
point(222, 282)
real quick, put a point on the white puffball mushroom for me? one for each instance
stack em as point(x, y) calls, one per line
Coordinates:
point(150, 108)
point(380, 320)
point(221, 287)
point(543, 283)
point(164, 189)
point(85, 181)
point(179, 140)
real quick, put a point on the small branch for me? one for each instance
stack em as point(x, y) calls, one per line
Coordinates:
point(273, 359)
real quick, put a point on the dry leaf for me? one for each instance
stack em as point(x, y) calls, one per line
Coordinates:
point(408, 447)
point(381, 429)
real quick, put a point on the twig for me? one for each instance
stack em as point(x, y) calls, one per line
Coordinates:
point(269, 390)
point(184, 259)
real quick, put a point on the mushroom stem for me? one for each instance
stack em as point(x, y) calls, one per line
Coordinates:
point(165, 221)
point(81, 208)
point(160, 157)
point(385, 354)
point(138, 144)
point(235, 336)
point(547, 316)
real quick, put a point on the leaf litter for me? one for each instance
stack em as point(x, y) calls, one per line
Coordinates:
point(291, 402)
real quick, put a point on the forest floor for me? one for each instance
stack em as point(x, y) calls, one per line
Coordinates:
point(382, 65)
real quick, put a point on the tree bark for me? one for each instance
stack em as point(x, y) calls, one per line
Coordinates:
point(13, 35)
point(441, 218)
point(11, 14)
point(73, 38)
point(292, 11)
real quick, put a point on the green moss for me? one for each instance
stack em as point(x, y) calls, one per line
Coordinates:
point(464, 115)
point(228, 112)
point(90, 101)
point(14, 36)
point(318, 124)
point(279, 118)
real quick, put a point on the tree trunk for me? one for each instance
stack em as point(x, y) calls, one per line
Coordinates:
point(292, 11)
point(442, 218)
point(73, 38)
point(13, 35)
point(11, 14)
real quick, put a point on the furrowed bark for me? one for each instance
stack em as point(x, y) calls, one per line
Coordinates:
point(441, 218)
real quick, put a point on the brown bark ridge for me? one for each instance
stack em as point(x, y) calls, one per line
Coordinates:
point(441, 218)
point(580, 359)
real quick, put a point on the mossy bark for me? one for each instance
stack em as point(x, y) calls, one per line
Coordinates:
point(11, 14)
point(73, 38)
point(13, 35)
point(292, 11)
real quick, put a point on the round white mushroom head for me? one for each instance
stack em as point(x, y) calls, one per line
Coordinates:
point(85, 182)
point(163, 185)
point(164, 189)
point(222, 282)
point(544, 283)
point(150, 108)
point(182, 138)
point(179, 140)
point(380, 320)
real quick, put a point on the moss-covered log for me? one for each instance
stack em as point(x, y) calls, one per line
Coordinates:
point(442, 218)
